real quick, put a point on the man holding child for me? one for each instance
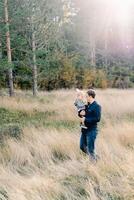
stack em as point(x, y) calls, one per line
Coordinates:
point(90, 115)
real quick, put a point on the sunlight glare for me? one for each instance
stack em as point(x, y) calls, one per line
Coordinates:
point(122, 8)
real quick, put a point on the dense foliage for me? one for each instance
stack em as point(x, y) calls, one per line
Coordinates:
point(76, 46)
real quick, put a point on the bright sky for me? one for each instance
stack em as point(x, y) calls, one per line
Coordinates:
point(121, 9)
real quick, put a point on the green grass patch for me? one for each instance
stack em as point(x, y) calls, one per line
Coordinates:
point(12, 130)
point(77, 183)
point(18, 117)
point(3, 194)
point(114, 197)
point(8, 116)
point(60, 124)
point(13, 121)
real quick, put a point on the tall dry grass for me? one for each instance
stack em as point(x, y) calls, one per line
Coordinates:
point(46, 164)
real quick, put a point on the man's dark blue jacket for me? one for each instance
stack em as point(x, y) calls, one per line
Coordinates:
point(93, 115)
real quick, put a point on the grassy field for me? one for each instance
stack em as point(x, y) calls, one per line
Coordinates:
point(39, 148)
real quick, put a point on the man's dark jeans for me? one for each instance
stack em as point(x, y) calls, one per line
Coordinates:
point(87, 141)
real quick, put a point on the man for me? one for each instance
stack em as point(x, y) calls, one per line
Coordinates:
point(92, 116)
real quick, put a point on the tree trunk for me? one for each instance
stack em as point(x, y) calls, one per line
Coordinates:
point(34, 67)
point(93, 54)
point(92, 50)
point(106, 49)
point(10, 74)
point(0, 47)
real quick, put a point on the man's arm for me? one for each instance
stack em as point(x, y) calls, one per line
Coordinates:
point(89, 120)
point(81, 113)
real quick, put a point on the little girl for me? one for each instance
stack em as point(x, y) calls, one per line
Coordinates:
point(80, 105)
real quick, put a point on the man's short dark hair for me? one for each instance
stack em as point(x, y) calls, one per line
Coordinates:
point(91, 93)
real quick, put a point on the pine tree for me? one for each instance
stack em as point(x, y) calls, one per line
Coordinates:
point(8, 44)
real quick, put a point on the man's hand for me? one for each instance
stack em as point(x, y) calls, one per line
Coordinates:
point(82, 120)
point(82, 113)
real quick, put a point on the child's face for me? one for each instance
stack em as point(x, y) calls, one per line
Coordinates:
point(80, 96)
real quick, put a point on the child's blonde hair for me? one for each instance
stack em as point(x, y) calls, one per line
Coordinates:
point(80, 94)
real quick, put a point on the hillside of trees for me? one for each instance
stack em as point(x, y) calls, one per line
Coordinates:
point(52, 44)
